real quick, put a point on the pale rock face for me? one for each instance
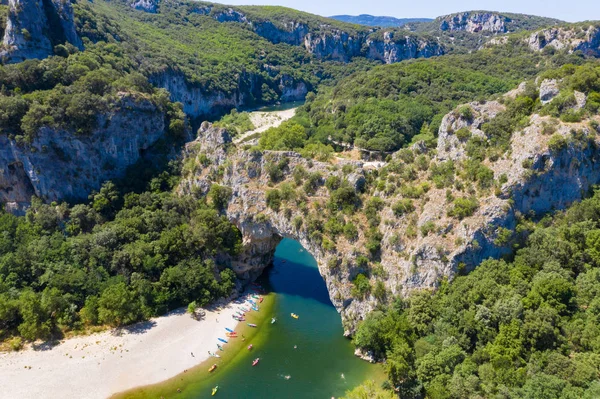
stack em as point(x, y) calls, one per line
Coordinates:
point(587, 41)
point(548, 90)
point(393, 50)
point(474, 22)
point(27, 27)
point(197, 103)
point(150, 6)
point(59, 165)
point(558, 179)
point(449, 146)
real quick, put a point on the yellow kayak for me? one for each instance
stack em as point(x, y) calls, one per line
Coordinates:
point(212, 368)
point(295, 316)
point(215, 389)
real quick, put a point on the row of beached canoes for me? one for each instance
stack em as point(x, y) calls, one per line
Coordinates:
point(249, 304)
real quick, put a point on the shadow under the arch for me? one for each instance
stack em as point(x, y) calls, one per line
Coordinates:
point(294, 272)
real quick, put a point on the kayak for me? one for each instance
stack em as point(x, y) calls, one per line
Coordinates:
point(230, 335)
point(223, 340)
point(215, 389)
point(212, 368)
point(250, 325)
point(220, 347)
point(273, 320)
point(294, 315)
point(261, 299)
point(255, 308)
point(229, 329)
point(250, 347)
point(213, 354)
point(255, 362)
point(255, 296)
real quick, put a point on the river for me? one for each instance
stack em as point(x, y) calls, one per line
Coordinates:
point(311, 350)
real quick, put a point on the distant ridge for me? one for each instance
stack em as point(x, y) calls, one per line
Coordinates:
point(383, 21)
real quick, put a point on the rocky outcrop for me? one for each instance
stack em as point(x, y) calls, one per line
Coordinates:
point(197, 102)
point(548, 90)
point(335, 45)
point(571, 39)
point(34, 27)
point(150, 6)
point(200, 103)
point(474, 22)
point(396, 47)
point(419, 248)
point(60, 165)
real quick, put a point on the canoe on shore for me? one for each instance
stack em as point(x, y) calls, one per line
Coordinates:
point(212, 368)
point(229, 329)
point(222, 340)
point(251, 325)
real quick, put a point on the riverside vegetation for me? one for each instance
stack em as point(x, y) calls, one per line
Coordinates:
point(524, 326)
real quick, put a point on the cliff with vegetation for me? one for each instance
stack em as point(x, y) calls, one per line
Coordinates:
point(33, 28)
point(58, 164)
point(418, 219)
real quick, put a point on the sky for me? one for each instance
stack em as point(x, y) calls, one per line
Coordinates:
point(566, 10)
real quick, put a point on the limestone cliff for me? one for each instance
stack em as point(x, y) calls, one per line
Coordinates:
point(473, 22)
point(422, 243)
point(34, 27)
point(59, 165)
point(197, 102)
point(571, 39)
point(321, 37)
point(396, 47)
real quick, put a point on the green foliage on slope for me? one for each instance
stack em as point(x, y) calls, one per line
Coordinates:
point(384, 108)
point(116, 260)
point(527, 328)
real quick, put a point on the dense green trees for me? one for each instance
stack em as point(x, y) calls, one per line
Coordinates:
point(384, 108)
point(527, 328)
point(114, 261)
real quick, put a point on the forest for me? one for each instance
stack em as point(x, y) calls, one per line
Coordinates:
point(522, 327)
point(121, 258)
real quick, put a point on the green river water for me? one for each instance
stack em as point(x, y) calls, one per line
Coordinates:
point(322, 366)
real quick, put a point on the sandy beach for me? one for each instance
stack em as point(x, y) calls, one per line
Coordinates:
point(263, 121)
point(100, 365)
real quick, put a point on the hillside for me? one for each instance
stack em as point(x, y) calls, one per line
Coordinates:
point(371, 20)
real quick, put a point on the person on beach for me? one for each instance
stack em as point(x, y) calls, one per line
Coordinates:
point(192, 353)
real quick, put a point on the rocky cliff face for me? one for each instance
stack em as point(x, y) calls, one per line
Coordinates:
point(585, 39)
point(473, 22)
point(34, 27)
point(198, 103)
point(419, 247)
point(395, 48)
point(326, 41)
point(59, 165)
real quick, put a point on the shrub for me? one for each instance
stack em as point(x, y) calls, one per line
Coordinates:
point(350, 231)
point(273, 198)
point(465, 112)
point(557, 142)
point(463, 134)
point(362, 286)
point(219, 196)
point(463, 207)
point(427, 228)
point(402, 207)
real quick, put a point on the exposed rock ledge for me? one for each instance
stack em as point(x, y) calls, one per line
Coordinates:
point(61, 165)
point(554, 180)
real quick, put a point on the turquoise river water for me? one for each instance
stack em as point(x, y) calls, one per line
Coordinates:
point(321, 366)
